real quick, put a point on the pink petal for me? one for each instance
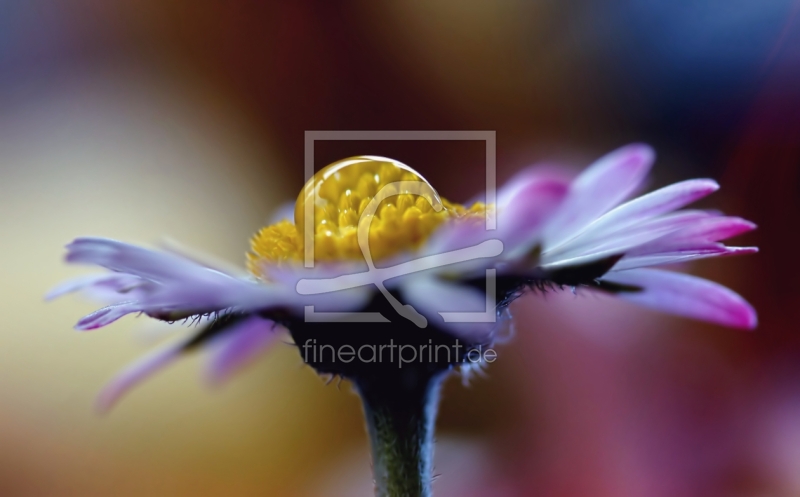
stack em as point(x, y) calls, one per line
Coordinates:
point(528, 176)
point(521, 220)
point(606, 183)
point(234, 348)
point(520, 216)
point(135, 373)
point(701, 233)
point(720, 228)
point(686, 295)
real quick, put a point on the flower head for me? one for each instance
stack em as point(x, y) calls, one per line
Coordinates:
point(371, 235)
point(339, 199)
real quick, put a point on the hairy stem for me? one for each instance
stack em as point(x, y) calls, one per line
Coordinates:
point(400, 413)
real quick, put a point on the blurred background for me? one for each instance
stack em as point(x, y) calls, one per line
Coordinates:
point(138, 119)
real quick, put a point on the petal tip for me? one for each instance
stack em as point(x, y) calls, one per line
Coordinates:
point(215, 380)
point(750, 321)
point(52, 295)
point(109, 397)
point(750, 316)
point(742, 316)
point(746, 225)
point(709, 185)
point(104, 405)
point(640, 154)
point(88, 323)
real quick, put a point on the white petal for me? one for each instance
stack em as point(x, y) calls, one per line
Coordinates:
point(432, 296)
point(653, 204)
point(204, 259)
point(126, 258)
point(107, 315)
point(105, 287)
point(662, 259)
point(136, 373)
point(237, 346)
point(178, 284)
point(603, 185)
point(627, 239)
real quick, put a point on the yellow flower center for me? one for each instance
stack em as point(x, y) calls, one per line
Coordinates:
point(392, 205)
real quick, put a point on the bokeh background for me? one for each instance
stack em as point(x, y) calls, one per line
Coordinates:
point(138, 119)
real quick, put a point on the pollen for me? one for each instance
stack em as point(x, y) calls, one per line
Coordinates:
point(393, 207)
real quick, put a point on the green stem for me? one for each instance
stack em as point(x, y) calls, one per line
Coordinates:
point(400, 413)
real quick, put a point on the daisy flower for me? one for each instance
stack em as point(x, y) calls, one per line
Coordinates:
point(374, 261)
